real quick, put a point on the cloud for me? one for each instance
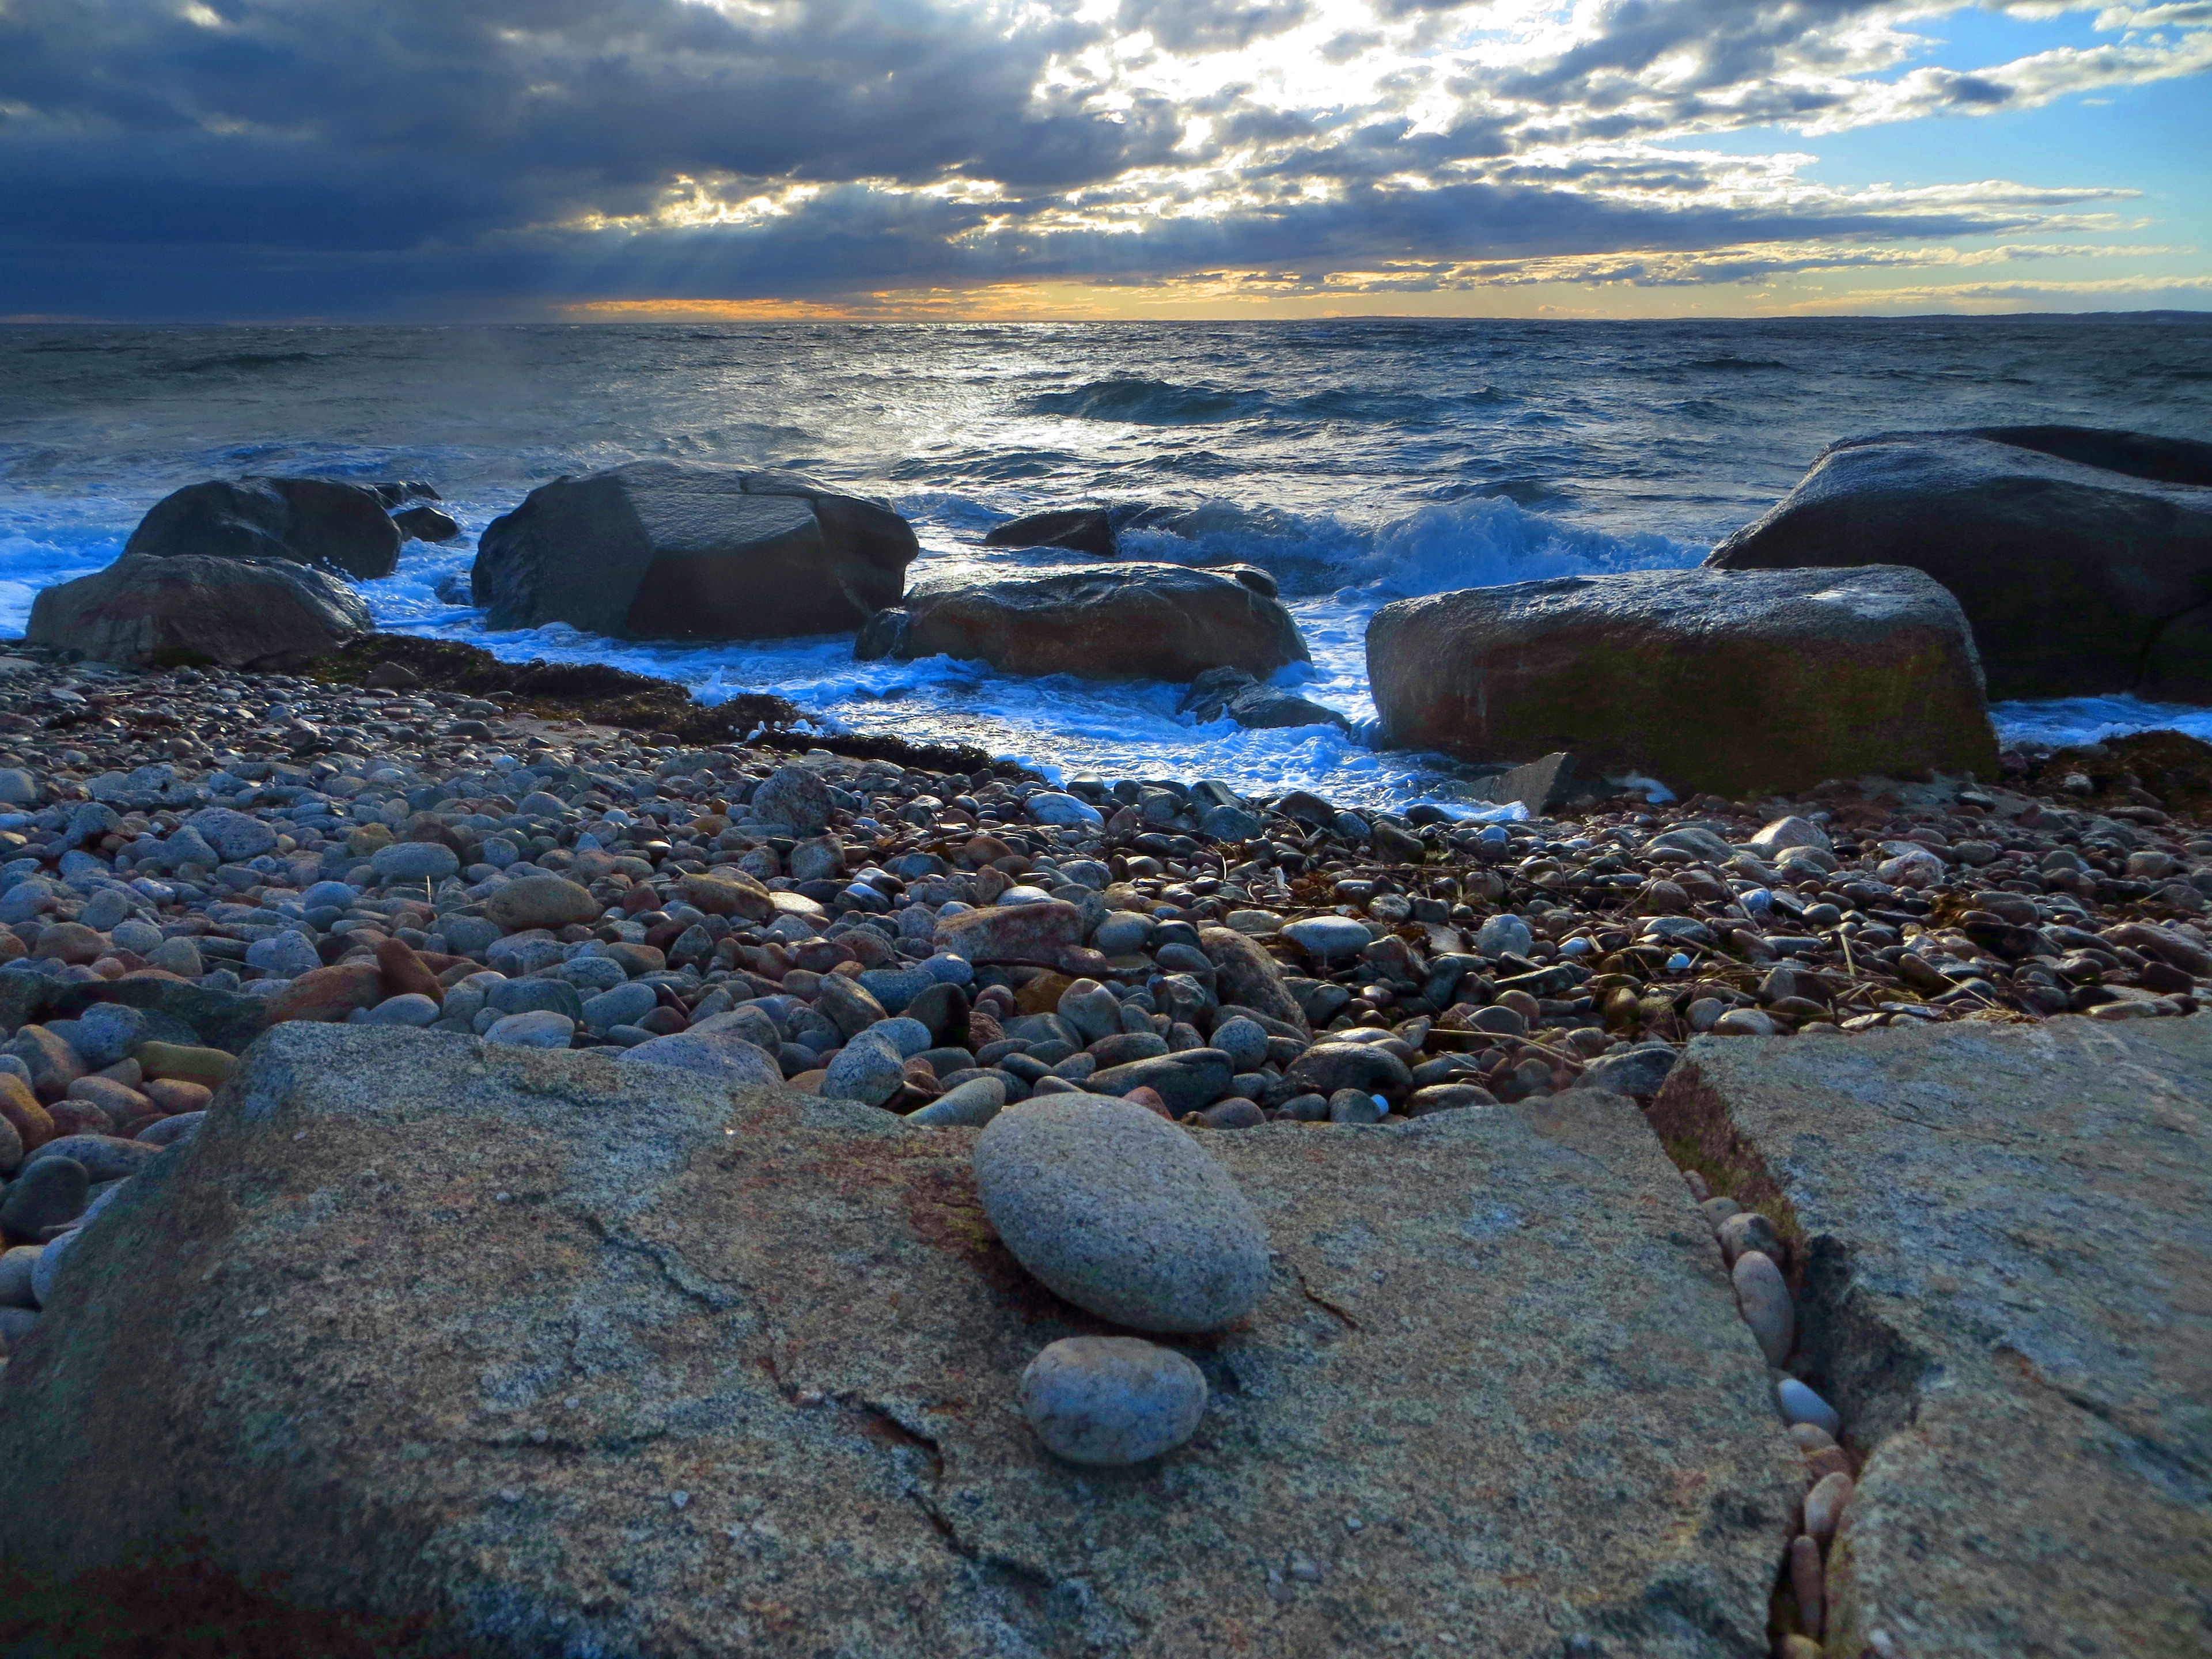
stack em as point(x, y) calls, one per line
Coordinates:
point(209, 157)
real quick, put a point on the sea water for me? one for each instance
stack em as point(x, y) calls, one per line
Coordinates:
point(1359, 460)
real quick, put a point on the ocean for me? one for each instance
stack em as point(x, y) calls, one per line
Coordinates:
point(1360, 460)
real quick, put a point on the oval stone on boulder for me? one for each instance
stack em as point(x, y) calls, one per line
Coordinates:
point(1735, 682)
point(1121, 1212)
point(667, 550)
point(1112, 1400)
point(1122, 621)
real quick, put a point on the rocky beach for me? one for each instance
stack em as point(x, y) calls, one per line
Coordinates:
point(510, 1156)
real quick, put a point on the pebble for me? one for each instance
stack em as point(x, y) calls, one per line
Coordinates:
point(1750, 1230)
point(1122, 1213)
point(971, 1105)
point(412, 1009)
point(16, 1265)
point(1111, 1401)
point(1823, 1506)
point(868, 1069)
point(1328, 937)
point(1802, 1407)
point(731, 1058)
point(50, 1193)
point(539, 1027)
point(1762, 1298)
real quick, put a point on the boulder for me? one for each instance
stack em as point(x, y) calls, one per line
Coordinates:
point(317, 521)
point(1077, 529)
point(667, 550)
point(1234, 693)
point(2006, 1240)
point(1728, 681)
point(620, 1364)
point(2082, 559)
point(426, 524)
point(1122, 621)
point(263, 614)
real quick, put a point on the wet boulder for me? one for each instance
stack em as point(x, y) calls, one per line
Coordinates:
point(1125, 621)
point(258, 613)
point(1727, 681)
point(2082, 559)
point(1077, 529)
point(426, 524)
point(1235, 694)
point(657, 550)
point(314, 521)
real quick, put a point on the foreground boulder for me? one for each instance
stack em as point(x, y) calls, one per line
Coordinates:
point(660, 551)
point(504, 1352)
point(2006, 1234)
point(258, 613)
point(1731, 682)
point(335, 526)
point(2083, 559)
point(1127, 622)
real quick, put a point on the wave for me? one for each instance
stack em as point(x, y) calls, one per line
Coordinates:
point(1137, 400)
point(1476, 541)
point(1733, 361)
point(234, 360)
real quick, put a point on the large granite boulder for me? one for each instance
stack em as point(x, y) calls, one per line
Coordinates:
point(1122, 621)
point(657, 550)
point(2004, 1239)
point(335, 527)
point(258, 613)
point(1735, 682)
point(2083, 559)
point(505, 1353)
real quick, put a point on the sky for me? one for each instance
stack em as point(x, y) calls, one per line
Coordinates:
point(455, 160)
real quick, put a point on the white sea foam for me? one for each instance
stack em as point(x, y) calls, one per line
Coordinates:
point(2068, 720)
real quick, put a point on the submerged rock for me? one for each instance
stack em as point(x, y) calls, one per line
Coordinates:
point(1077, 529)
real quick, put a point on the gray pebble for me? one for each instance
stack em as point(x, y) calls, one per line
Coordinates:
point(1762, 1298)
point(1122, 1213)
point(541, 1028)
point(1112, 1400)
point(971, 1105)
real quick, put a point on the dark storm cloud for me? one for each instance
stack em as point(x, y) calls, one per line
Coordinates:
point(410, 157)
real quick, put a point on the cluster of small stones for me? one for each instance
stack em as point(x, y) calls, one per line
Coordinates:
point(1757, 1256)
point(942, 946)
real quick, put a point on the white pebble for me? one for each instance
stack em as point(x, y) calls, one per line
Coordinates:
point(1801, 1404)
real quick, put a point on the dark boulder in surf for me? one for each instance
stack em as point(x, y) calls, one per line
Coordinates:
point(660, 550)
point(314, 521)
point(1077, 529)
point(2082, 558)
point(1123, 621)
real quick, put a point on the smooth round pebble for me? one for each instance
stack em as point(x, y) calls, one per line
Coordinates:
point(1762, 1298)
point(1112, 1400)
point(541, 1028)
point(1121, 1212)
point(1799, 1404)
point(412, 1008)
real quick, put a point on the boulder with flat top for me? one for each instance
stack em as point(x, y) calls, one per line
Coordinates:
point(1119, 622)
point(1731, 682)
point(430, 1347)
